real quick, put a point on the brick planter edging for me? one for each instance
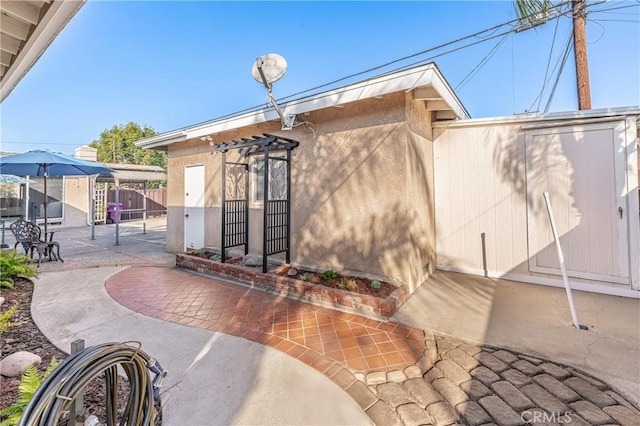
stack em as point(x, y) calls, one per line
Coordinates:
point(366, 304)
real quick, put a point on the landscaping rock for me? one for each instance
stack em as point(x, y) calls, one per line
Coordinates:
point(1, 300)
point(252, 261)
point(16, 364)
point(292, 272)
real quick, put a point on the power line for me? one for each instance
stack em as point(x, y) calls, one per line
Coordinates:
point(39, 142)
point(555, 67)
point(608, 9)
point(481, 64)
point(546, 72)
point(395, 61)
point(633, 21)
point(558, 7)
point(555, 85)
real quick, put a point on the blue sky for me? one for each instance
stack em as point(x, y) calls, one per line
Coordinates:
point(173, 64)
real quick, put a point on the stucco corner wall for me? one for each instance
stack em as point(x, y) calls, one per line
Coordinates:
point(365, 198)
point(420, 190)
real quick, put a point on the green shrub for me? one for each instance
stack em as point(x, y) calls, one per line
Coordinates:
point(329, 274)
point(29, 383)
point(14, 265)
point(216, 257)
point(5, 319)
point(375, 284)
point(306, 276)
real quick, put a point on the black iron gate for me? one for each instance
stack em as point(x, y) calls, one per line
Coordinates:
point(277, 214)
point(277, 195)
point(235, 206)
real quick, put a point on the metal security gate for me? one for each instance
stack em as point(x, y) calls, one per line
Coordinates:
point(277, 195)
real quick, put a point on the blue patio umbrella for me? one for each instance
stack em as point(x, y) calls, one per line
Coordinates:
point(45, 164)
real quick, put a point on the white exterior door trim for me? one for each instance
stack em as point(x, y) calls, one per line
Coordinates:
point(194, 184)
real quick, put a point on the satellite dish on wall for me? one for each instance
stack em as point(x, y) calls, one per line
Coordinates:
point(269, 68)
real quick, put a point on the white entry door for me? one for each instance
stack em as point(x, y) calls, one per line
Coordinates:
point(583, 169)
point(194, 207)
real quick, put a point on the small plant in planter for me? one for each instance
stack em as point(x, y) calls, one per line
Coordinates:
point(329, 274)
point(349, 284)
point(306, 276)
point(375, 284)
point(216, 257)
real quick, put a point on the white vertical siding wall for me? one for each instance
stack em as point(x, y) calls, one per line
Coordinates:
point(479, 192)
point(480, 177)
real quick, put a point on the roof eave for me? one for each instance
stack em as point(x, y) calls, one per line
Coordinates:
point(162, 140)
point(553, 116)
point(426, 75)
point(56, 18)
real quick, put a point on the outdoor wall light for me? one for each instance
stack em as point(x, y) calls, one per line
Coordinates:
point(207, 139)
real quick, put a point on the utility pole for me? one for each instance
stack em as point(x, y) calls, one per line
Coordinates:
point(580, 51)
point(536, 12)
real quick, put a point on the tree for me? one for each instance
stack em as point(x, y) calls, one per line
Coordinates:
point(116, 145)
point(531, 11)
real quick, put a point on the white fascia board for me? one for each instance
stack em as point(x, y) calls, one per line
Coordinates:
point(448, 95)
point(426, 75)
point(162, 139)
point(550, 117)
point(58, 15)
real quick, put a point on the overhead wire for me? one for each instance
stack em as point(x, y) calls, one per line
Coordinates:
point(614, 20)
point(546, 72)
point(608, 9)
point(553, 71)
point(555, 85)
point(601, 33)
point(477, 34)
point(481, 64)
point(442, 45)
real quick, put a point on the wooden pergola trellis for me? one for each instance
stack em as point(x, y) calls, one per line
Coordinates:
point(235, 196)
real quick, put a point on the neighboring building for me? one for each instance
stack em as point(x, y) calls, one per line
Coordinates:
point(390, 177)
point(70, 197)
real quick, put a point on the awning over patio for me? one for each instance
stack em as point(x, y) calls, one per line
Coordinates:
point(133, 173)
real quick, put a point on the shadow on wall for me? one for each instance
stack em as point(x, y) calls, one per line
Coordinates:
point(577, 167)
point(360, 198)
point(512, 159)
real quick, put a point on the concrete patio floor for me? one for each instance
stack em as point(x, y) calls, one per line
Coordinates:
point(534, 319)
point(452, 309)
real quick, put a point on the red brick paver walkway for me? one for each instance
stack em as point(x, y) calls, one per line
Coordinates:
point(315, 335)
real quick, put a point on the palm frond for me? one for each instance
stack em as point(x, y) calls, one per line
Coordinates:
point(532, 12)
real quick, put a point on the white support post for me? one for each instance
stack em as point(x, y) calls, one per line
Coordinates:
point(144, 207)
point(117, 212)
point(565, 277)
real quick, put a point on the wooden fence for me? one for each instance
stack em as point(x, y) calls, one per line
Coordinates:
point(133, 202)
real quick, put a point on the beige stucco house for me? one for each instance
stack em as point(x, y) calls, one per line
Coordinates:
point(390, 177)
